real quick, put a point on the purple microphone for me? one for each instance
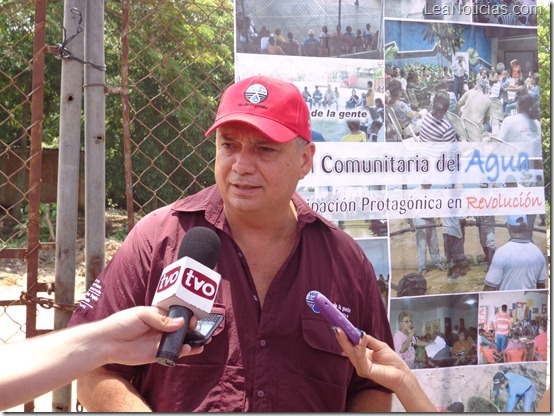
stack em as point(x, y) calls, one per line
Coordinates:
point(320, 304)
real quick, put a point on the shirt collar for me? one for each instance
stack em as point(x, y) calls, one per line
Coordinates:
point(209, 200)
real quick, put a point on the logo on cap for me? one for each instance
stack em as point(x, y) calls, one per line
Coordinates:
point(256, 93)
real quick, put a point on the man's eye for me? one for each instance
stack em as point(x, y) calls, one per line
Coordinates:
point(267, 149)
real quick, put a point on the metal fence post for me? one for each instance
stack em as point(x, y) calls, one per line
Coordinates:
point(95, 133)
point(68, 176)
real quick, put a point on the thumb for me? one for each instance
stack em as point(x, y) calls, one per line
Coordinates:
point(154, 318)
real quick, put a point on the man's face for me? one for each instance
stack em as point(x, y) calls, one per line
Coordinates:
point(254, 174)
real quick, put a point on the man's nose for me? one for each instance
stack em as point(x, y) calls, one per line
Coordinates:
point(244, 162)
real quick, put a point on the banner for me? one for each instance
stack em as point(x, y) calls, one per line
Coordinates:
point(428, 152)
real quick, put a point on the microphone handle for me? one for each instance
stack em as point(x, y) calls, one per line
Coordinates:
point(172, 342)
point(336, 318)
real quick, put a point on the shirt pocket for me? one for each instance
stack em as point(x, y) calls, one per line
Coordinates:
point(322, 373)
point(318, 334)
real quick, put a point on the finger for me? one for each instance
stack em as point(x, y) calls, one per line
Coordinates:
point(344, 342)
point(193, 322)
point(374, 343)
point(188, 350)
point(155, 318)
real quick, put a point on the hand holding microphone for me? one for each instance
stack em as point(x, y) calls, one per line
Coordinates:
point(188, 287)
point(320, 304)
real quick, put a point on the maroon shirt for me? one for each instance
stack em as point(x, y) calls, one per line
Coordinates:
point(281, 358)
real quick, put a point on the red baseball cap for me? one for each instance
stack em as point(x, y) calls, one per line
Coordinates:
point(272, 106)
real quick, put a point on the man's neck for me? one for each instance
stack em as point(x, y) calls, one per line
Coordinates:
point(270, 225)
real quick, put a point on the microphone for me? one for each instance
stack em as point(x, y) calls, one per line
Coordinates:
point(188, 287)
point(320, 304)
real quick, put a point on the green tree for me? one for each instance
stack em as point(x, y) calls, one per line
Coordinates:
point(180, 59)
point(16, 43)
point(543, 32)
point(449, 38)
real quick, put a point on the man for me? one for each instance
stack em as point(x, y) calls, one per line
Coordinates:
point(476, 106)
point(329, 97)
point(453, 235)
point(517, 387)
point(502, 326)
point(307, 97)
point(317, 97)
point(486, 227)
point(272, 353)
point(459, 73)
point(540, 343)
point(519, 264)
point(426, 239)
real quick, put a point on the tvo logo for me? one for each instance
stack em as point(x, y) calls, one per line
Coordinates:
point(199, 284)
point(168, 279)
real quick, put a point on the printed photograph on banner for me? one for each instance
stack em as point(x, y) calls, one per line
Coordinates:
point(510, 13)
point(447, 10)
point(470, 253)
point(345, 96)
point(377, 251)
point(433, 331)
point(513, 326)
point(472, 388)
point(317, 28)
point(466, 83)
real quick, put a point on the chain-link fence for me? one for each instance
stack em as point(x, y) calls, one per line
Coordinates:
point(166, 65)
point(172, 79)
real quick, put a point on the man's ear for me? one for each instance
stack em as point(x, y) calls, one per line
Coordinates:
point(307, 156)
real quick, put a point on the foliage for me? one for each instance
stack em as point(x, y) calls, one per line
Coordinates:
point(180, 59)
point(16, 42)
point(390, 53)
point(47, 224)
point(543, 32)
point(449, 38)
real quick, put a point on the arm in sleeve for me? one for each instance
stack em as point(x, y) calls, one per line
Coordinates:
point(493, 277)
point(511, 403)
point(121, 285)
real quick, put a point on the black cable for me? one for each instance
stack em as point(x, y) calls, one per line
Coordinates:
point(64, 53)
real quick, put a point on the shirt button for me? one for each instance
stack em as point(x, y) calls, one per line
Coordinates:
point(260, 393)
point(263, 343)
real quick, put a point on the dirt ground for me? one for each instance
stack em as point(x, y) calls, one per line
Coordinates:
point(13, 280)
point(13, 272)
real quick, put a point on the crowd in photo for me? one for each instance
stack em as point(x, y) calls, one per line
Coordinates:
point(451, 104)
point(325, 42)
point(514, 265)
point(506, 12)
point(359, 129)
point(507, 338)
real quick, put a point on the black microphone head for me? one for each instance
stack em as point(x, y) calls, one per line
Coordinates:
point(202, 245)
